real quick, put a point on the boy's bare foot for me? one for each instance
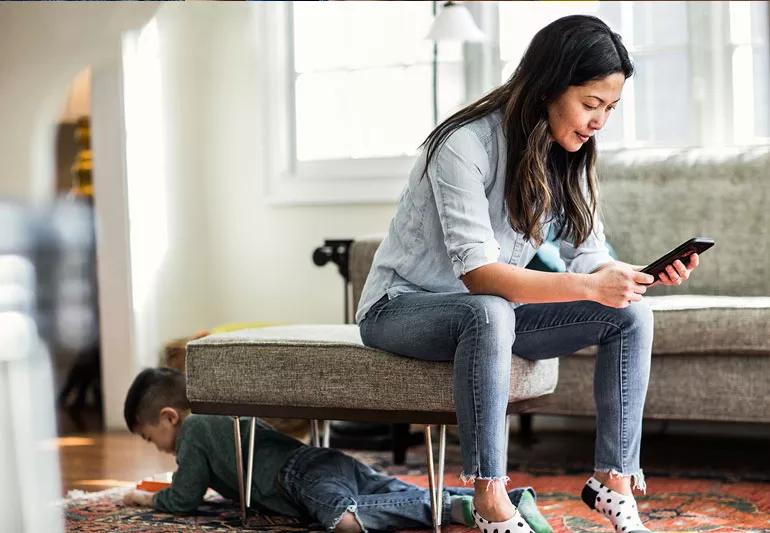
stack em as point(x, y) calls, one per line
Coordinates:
point(348, 524)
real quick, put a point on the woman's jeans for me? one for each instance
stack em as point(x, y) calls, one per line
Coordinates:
point(325, 484)
point(481, 332)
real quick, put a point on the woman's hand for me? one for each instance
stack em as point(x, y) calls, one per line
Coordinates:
point(139, 498)
point(677, 273)
point(617, 285)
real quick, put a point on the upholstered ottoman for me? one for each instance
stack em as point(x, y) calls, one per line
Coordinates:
point(324, 372)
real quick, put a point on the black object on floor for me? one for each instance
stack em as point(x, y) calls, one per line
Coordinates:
point(374, 436)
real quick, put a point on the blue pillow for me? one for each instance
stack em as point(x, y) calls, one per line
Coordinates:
point(547, 258)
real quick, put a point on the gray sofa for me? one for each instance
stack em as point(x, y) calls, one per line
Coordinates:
point(711, 350)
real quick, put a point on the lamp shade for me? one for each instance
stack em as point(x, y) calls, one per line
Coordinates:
point(454, 23)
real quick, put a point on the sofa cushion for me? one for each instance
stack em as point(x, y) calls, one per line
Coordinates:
point(698, 324)
point(726, 386)
point(327, 366)
point(711, 362)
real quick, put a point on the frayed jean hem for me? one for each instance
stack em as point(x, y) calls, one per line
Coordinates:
point(471, 478)
point(352, 508)
point(637, 478)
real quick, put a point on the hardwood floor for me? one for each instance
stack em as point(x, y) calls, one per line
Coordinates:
point(91, 459)
point(97, 461)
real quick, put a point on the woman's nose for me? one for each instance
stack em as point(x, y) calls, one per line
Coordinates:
point(597, 123)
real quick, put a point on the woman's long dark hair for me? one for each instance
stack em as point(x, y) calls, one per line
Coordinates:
point(542, 177)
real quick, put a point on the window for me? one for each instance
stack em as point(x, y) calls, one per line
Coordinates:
point(362, 79)
point(355, 81)
point(360, 97)
point(701, 68)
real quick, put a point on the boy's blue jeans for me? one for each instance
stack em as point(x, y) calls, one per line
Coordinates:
point(325, 484)
point(481, 332)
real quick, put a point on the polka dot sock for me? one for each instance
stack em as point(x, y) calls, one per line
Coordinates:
point(515, 524)
point(618, 508)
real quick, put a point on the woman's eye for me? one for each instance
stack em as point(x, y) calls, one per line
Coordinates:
point(589, 107)
point(611, 108)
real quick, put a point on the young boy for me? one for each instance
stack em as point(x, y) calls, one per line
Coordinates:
point(316, 484)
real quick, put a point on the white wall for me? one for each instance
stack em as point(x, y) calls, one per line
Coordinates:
point(231, 256)
point(261, 266)
point(44, 46)
point(178, 298)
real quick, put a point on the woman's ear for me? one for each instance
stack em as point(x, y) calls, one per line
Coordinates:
point(170, 414)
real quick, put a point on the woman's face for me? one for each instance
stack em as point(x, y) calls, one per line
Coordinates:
point(582, 110)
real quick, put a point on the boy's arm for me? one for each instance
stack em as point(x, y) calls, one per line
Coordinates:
point(189, 483)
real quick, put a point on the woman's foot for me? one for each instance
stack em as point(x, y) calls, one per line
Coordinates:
point(493, 510)
point(621, 484)
point(515, 524)
point(491, 501)
point(462, 510)
point(619, 508)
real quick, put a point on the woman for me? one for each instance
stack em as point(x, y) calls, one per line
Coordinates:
point(448, 281)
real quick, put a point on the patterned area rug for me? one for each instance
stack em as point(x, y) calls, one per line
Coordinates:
point(672, 504)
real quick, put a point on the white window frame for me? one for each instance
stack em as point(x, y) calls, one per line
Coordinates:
point(292, 182)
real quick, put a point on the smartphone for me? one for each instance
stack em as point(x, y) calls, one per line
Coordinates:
point(683, 252)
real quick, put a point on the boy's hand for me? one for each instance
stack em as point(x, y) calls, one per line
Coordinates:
point(139, 498)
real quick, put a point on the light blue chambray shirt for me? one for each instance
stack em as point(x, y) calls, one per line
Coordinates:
point(455, 220)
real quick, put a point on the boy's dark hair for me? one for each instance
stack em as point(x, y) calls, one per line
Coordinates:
point(152, 390)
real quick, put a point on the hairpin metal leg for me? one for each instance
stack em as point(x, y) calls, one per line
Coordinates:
point(435, 511)
point(327, 432)
point(239, 464)
point(440, 489)
point(314, 437)
point(250, 469)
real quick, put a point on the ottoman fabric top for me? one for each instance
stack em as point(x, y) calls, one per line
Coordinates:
point(327, 366)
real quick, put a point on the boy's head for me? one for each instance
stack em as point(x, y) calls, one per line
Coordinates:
point(156, 404)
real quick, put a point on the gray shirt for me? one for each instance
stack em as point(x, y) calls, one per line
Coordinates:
point(455, 220)
point(205, 456)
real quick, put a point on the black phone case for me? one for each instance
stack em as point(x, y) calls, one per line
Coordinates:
point(683, 251)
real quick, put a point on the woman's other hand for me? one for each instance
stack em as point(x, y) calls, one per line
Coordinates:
point(617, 285)
point(677, 273)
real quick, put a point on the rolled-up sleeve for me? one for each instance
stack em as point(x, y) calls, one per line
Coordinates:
point(590, 255)
point(457, 175)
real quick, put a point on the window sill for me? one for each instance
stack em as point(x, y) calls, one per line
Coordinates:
point(346, 181)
